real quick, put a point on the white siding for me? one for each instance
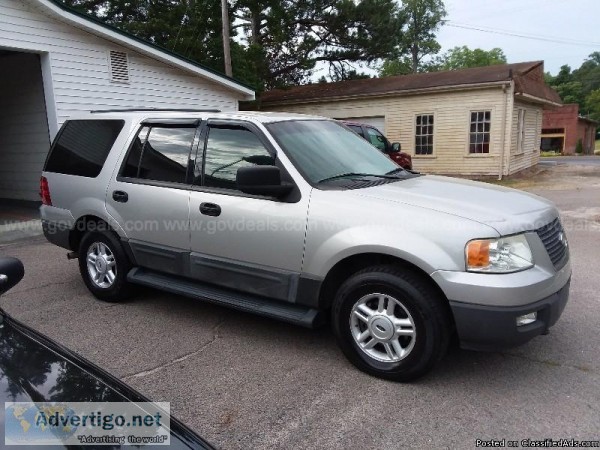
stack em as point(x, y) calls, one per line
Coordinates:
point(76, 78)
point(80, 69)
point(530, 154)
point(24, 139)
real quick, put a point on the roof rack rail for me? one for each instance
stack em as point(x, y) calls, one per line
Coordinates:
point(154, 110)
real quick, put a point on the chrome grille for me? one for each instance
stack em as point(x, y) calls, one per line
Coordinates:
point(555, 240)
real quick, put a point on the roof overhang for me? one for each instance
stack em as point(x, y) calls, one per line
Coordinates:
point(533, 99)
point(402, 93)
point(63, 13)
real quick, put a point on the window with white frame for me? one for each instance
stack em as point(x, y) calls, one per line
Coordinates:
point(424, 134)
point(479, 132)
point(520, 130)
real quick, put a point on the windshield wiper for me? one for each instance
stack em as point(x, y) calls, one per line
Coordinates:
point(398, 170)
point(355, 174)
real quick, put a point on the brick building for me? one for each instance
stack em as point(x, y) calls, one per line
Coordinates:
point(562, 128)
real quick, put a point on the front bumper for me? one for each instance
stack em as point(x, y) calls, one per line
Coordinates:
point(482, 327)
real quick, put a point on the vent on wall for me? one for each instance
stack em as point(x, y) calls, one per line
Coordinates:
point(119, 67)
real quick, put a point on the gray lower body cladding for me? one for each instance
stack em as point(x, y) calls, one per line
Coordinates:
point(493, 328)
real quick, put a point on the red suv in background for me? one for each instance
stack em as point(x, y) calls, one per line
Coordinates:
point(377, 139)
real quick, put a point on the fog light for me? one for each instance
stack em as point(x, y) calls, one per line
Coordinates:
point(526, 319)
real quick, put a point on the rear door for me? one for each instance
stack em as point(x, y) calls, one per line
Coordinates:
point(150, 195)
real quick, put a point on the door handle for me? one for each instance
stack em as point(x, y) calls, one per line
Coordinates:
point(210, 209)
point(120, 196)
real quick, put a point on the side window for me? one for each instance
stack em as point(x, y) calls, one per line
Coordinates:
point(356, 129)
point(228, 149)
point(83, 146)
point(376, 138)
point(160, 154)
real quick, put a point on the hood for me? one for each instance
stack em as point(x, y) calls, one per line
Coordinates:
point(504, 209)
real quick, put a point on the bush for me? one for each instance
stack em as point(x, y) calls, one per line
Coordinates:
point(579, 147)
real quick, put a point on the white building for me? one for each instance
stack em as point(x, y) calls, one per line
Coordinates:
point(55, 62)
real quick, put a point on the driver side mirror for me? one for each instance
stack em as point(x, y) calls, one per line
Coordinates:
point(262, 180)
point(396, 147)
point(11, 272)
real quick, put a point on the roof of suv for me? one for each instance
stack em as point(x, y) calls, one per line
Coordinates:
point(263, 117)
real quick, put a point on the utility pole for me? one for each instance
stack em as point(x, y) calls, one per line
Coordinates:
point(226, 49)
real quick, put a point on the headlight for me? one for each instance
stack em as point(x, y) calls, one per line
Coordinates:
point(501, 255)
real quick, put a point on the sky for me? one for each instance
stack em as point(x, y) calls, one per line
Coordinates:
point(576, 21)
point(573, 21)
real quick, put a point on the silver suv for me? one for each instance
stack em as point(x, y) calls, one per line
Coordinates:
point(299, 219)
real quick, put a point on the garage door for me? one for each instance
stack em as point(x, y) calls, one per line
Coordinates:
point(376, 121)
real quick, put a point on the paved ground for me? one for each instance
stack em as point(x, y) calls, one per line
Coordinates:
point(247, 382)
point(579, 160)
point(19, 220)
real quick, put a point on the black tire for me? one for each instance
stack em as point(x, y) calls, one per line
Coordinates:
point(429, 314)
point(120, 289)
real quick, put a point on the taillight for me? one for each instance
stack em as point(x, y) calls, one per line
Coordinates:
point(45, 192)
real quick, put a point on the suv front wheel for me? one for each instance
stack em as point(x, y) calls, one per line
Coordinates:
point(104, 265)
point(390, 323)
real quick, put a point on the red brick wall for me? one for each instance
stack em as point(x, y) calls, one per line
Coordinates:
point(564, 117)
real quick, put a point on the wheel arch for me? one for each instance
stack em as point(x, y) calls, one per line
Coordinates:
point(83, 224)
point(352, 264)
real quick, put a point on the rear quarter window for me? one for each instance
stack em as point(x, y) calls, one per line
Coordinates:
point(82, 147)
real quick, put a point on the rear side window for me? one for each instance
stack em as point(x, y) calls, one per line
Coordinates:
point(160, 154)
point(376, 138)
point(356, 129)
point(83, 146)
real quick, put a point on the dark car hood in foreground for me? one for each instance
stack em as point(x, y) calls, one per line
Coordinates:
point(35, 368)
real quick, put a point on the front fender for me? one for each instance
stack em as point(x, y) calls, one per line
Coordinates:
point(411, 247)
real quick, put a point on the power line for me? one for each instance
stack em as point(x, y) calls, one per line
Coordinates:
point(525, 36)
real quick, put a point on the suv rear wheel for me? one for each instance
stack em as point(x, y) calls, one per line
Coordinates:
point(390, 323)
point(104, 265)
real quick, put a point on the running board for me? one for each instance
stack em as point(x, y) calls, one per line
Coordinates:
point(285, 312)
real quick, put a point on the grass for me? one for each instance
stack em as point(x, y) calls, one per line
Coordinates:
point(598, 144)
point(552, 154)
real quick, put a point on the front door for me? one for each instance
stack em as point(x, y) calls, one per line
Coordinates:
point(244, 242)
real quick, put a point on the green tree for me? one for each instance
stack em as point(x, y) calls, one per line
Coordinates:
point(288, 39)
point(588, 73)
point(592, 105)
point(399, 66)
point(464, 58)
point(568, 87)
point(580, 85)
point(423, 18)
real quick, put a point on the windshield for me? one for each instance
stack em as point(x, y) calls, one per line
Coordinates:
point(323, 149)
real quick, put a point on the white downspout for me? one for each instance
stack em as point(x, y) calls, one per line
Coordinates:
point(506, 91)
